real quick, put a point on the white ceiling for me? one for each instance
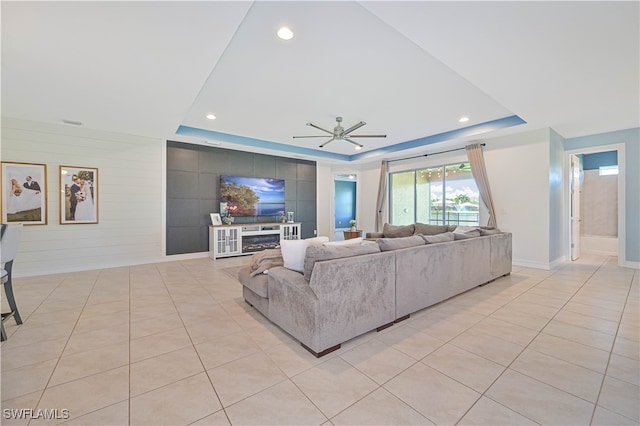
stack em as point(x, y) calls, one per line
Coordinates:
point(408, 69)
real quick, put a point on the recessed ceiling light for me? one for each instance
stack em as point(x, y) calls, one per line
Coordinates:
point(285, 33)
point(211, 116)
point(463, 119)
point(358, 147)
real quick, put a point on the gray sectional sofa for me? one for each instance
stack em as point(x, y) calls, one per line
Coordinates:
point(347, 291)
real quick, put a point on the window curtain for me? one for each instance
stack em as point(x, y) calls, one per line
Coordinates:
point(382, 192)
point(479, 172)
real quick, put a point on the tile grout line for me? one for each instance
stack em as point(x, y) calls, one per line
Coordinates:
point(508, 367)
point(59, 358)
point(164, 282)
point(604, 375)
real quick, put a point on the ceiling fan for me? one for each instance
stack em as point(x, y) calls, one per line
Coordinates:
point(340, 134)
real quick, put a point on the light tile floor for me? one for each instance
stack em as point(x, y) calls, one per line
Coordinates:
point(174, 343)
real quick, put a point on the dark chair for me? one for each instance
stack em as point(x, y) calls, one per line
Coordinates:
point(9, 240)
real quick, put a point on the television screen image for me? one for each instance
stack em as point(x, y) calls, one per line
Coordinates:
point(250, 196)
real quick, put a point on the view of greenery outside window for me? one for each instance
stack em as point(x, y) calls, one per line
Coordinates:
point(438, 195)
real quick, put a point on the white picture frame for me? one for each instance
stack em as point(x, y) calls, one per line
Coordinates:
point(216, 219)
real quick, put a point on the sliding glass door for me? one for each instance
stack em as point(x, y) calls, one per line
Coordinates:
point(440, 195)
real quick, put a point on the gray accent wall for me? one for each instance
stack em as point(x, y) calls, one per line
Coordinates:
point(193, 190)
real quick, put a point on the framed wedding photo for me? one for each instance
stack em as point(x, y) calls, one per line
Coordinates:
point(78, 195)
point(216, 219)
point(24, 193)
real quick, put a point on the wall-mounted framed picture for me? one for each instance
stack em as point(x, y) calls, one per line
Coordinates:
point(78, 195)
point(24, 193)
point(216, 219)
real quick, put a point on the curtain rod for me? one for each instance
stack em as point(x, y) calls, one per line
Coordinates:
point(434, 153)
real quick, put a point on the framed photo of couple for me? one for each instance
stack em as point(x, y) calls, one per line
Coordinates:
point(78, 195)
point(24, 193)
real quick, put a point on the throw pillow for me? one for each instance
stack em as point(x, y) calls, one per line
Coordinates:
point(426, 229)
point(351, 242)
point(397, 231)
point(293, 251)
point(494, 231)
point(325, 252)
point(464, 236)
point(387, 244)
point(440, 238)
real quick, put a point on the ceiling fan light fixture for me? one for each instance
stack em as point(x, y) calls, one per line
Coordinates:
point(285, 33)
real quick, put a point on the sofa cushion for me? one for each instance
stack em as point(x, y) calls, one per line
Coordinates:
point(462, 229)
point(387, 244)
point(326, 252)
point(293, 251)
point(259, 284)
point(397, 231)
point(466, 235)
point(426, 229)
point(265, 259)
point(494, 231)
point(440, 238)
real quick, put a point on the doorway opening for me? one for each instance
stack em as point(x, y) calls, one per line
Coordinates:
point(596, 202)
point(344, 203)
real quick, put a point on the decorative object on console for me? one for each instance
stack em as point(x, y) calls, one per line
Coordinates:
point(289, 217)
point(228, 220)
point(352, 222)
point(216, 219)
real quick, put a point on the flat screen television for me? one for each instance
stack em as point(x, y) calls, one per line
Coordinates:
point(244, 196)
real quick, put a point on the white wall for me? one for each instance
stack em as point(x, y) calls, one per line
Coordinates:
point(324, 204)
point(131, 173)
point(518, 169)
point(556, 199)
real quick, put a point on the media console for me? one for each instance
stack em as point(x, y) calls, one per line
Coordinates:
point(238, 240)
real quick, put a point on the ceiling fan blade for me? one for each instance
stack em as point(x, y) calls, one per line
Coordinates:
point(320, 128)
point(354, 127)
point(358, 146)
point(317, 136)
point(330, 140)
point(367, 136)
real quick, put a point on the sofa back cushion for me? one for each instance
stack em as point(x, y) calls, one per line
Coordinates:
point(397, 231)
point(440, 238)
point(387, 244)
point(426, 229)
point(326, 252)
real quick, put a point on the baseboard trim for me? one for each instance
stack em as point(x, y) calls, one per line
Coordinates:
point(534, 265)
point(630, 264)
